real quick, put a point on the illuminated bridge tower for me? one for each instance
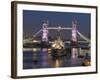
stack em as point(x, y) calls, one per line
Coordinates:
point(45, 32)
point(74, 50)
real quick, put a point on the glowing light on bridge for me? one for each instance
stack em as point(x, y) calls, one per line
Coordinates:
point(74, 39)
point(45, 31)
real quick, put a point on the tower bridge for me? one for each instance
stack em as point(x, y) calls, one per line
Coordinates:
point(74, 34)
point(46, 29)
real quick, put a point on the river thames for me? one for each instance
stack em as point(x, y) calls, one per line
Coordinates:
point(36, 58)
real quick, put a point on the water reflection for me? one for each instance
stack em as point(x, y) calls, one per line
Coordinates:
point(57, 62)
point(42, 58)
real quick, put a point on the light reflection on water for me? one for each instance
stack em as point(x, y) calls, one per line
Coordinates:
point(40, 58)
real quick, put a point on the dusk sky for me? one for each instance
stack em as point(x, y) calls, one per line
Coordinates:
point(33, 20)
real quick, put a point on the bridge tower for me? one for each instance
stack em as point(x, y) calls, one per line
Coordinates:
point(45, 31)
point(74, 51)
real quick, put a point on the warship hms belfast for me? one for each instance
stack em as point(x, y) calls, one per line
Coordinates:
point(58, 46)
